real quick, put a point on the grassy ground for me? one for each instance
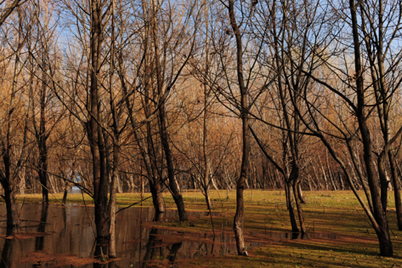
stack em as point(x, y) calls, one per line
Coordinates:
point(265, 211)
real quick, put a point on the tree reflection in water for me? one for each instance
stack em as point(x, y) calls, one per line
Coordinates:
point(5, 261)
point(56, 230)
point(42, 227)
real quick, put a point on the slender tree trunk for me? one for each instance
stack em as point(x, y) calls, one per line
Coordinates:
point(112, 202)
point(383, 179)
point(173, 185)
point(41, 136)
point(397, 193)
point(289, 203)
point(303, 199)
point(299, 207)
point(116, 144)
point(164, 136)
point(241, 182)
point(22, 183)
point(155, 172)
point(11, 210)
point(100, 181)
point(43, 168)
point(207, 198)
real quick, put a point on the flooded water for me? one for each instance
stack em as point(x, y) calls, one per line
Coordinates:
point(64, 236)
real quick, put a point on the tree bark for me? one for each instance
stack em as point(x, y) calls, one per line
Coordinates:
point(289, 203)
point(11, 210)
point(100, 181)
point(173, 185)
point(244, 171)
point(42, 137)
point(397, 193)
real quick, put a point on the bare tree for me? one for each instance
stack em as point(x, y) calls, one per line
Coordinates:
point(46, 113)
point(354, 95)
point(244, 109)
point(15, 119)
point(380, 36)
point(168, 45)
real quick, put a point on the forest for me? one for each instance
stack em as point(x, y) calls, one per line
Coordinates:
point(163, 96)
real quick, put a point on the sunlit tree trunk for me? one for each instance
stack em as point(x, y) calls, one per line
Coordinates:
point(244, 171)
point(116, 141)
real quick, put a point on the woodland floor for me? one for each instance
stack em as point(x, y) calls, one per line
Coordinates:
point(340, 234)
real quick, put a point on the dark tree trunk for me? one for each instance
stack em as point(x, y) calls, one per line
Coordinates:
point(207, 199)
point(289, 203)
point(41, 136)
point(100, 181)
point(65, 193)
point(383, 179)
point(9, 195)
point(379, 212)
point(177, 197)
point(397, 193)
point(11, 209)
point(244, 172)
point(43, 170)
point(156, 196)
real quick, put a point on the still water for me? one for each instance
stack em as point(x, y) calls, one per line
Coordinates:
point(64, 236)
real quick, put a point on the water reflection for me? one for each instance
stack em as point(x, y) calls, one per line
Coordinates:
point(6, 254)
point(42, 227)
point(64, 236)
point(61, 236)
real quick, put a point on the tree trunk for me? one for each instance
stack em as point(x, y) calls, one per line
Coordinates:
point(173, 185)
point(146, 148)
point(289, 204)
point(299, 207)
point(22, 184)
point(100, 180)
point(112, 202)
point(303, 199)
point(42, 137)
point(379, 213)
point(11, 209)
point(383, 180)
point(207, 199)
point(164, 136)
point(397, 194)
point(244, 172)
point(157, 197)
